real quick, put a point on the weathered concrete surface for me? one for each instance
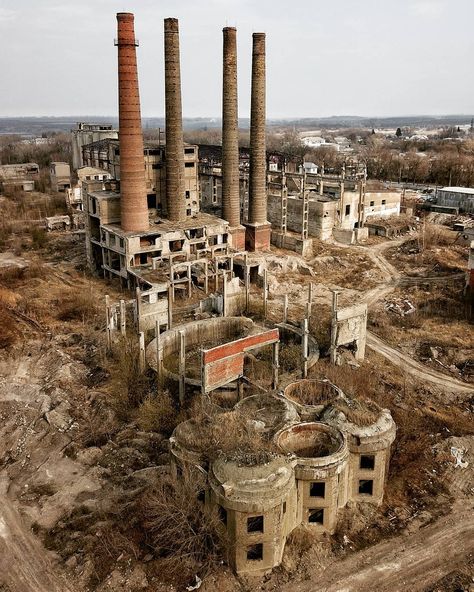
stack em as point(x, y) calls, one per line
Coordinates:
point(411, 562)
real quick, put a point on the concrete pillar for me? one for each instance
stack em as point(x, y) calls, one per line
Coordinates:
point(258, 228)
point(141, 353)
point(285, 309)
point(265, 293)
point(333, 347)
point(276, 364)
point(182, 366)
point(123, 318)
point(158, 351)
point(107, 322)
point(133, 194)
point(304, 344)
point(175, 196)
point(230, 131)
point(170, 307)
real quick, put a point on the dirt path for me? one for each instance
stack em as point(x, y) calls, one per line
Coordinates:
point(416, 369)
point(24, 564)
point(406, 563)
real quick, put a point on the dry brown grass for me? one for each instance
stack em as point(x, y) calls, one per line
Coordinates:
point(185, 533)
point(157, 413)
point(78, 305)
point(361, 412)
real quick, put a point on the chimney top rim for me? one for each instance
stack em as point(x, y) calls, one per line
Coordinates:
point(125, 16)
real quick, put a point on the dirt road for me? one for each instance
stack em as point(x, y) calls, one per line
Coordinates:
point(406, 563)
point(416, 369)
point(24, 565)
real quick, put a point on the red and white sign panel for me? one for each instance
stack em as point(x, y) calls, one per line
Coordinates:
point(225, 363)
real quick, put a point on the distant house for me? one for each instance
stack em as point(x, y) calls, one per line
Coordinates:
point(22, 176)
point(461, 198)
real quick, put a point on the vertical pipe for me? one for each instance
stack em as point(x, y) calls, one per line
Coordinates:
point(230, 131)
point(133, 194)
point(257, 180)
point(175, 197)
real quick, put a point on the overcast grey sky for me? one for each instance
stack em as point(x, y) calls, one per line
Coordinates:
point(324, 57)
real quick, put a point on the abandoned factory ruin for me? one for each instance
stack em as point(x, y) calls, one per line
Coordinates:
point(227, 365)
point(148, 226)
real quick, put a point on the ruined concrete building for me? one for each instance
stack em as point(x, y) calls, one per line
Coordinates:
point(325, 454)
point(60, 174)
point(21, 176)
point(86, 133)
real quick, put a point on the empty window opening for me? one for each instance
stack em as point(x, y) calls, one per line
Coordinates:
point(222, 515)
point(255, 552)
point(255, 524)
point(366, 486)
point(157, 166)
point(384, 201)
point(348, 210)
point(317, 489)
point(372, 203)
point(367, 461)
point(189, 165)
point(188, 212)
point(176, 246)
point(316, 516)
point(189, 150)
point(284, 507)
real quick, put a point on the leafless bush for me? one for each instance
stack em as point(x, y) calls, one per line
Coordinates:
point(183, 531)
point(129, 385)
point(78, 305)
point(157, 413)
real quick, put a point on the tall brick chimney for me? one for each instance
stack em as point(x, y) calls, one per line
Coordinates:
point(133, 194)
point(230, 141)
point(258, 228)
point(175, 196)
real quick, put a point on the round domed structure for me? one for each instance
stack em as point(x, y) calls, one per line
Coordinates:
point(257, 503)
point(321, 471)
point(370, 432)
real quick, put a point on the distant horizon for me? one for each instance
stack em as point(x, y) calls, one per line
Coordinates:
point(81, 117)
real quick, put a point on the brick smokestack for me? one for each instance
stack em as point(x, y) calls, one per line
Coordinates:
point(175, 197)
point(230, 131)
point(133, 194)
point(257, 177)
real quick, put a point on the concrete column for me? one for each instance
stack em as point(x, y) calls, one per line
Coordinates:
point(285, 309)
point(230, 131)
point(170, 307)
point(141, 345)
point(276, 364)
point(265, 293)
point(158, 351)
point(175, 196)
point(107, 322)
point(133, 194)
point(182, 366)
point(333, 348)
point(123, 321)
point(304, 345)
point(258, 229)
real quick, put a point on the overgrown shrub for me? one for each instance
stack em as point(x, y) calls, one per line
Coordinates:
point(156, 413)
point(185, 533)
